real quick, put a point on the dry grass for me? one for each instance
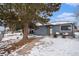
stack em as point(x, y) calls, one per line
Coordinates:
point(26, 50)
point(17, 45)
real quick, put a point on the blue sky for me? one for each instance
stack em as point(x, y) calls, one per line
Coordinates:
point(66, 11)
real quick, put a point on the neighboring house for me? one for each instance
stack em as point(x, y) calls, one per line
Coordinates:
point(56, 28)
point(2, 30)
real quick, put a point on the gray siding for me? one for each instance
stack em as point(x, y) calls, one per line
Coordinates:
point(55, 28)
point(42, 30)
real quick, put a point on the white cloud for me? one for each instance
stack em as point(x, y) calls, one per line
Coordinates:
point(71, 19)
point(66, 17)
point(65, 14)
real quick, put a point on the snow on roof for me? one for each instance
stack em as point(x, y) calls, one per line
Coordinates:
point(57, 23)
point(53, 23)
point(38, 24)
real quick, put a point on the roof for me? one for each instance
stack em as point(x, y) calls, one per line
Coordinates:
point(54, 23)
point(39, 24)
point(59, 23)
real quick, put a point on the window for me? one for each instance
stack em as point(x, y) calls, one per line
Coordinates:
point(66, 27)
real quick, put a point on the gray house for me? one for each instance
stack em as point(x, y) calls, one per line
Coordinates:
point(56, 28)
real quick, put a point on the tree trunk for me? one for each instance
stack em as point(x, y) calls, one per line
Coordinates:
point(25, 31)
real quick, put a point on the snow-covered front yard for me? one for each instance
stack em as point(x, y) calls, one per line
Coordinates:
point(46, 46)
point(49, 46)
point(56, 47)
